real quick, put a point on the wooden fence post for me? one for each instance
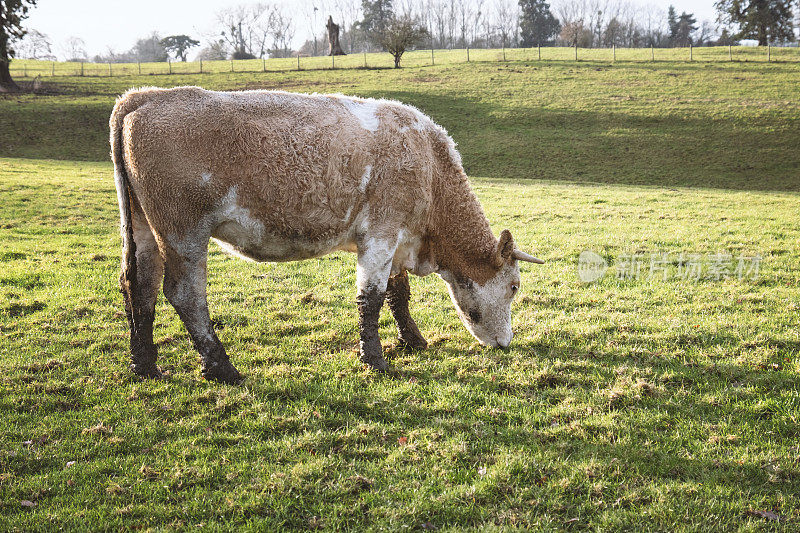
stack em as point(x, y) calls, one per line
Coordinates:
point(467, 54)
point(53, 70)
point(690, 52)
point(298, 60)
point(652, 53)
point(139, 65)
point(231, 65)
point(201, 66)
point(264, 64)
point(109, 70)
point(433, 61)
point(730, 53)
point(539, 49)
point(576, 51)
point(614, 50)
point(169, 62)
point(81, 68)
point(333, 61)
point(769, 53)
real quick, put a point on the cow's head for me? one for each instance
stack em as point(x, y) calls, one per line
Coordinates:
point(485, 309)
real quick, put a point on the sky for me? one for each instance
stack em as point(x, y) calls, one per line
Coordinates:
point(118, 23)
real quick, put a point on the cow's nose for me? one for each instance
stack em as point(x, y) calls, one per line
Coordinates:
point(504, 341)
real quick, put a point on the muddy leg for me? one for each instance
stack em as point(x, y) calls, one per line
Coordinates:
point(185, 289)
point(140, 294)
point(374, 266)
point(369, 303)
point(398, 294)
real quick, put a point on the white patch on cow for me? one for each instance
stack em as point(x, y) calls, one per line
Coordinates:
point(235, 229)
point(205, 177)
point(365, 111)
point(375, 257)
point(406, 255)
point(230, 211)
point(365, 178)
point(122, 199)
point(349, 212)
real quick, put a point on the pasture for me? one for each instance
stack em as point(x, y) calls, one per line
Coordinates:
point(626, 404)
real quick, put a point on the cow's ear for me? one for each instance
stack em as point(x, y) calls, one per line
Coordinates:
point(505, 247)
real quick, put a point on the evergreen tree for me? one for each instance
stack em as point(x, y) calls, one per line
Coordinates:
point(672, 20)
point(378, 15)
point(537, 24)
point(681, 27)
point(765, 20)
point(179, 45)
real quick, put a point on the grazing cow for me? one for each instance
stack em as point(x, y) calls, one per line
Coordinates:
point(275, 176)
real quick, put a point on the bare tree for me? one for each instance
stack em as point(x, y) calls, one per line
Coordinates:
point(241, 31)
point(214, 51)
point(313, 13)
point(401, 34)
point(572, 14)
point(466, 14)
point(74, 49)
point(35, 45)
point(654, 26)
point(281, 30)
point(507, 16)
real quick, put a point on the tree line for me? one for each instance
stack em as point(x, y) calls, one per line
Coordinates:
point(268, 29)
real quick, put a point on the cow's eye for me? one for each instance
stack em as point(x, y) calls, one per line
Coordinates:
point(514, 288)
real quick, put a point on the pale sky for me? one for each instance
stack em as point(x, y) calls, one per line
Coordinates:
point(118, 23)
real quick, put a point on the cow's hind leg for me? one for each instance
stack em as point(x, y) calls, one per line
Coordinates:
point(374, 266)
point(140, 294)
point(398, 294)
point(185, 289)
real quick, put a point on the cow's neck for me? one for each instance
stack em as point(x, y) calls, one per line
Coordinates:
point(461, 240)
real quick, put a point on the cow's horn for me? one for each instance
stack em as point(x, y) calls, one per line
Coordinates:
point(522, 256)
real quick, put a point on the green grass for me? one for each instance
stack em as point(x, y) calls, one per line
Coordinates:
point(622, 405)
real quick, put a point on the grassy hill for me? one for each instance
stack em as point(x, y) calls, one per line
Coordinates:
point(726, 125)
point(626, 404)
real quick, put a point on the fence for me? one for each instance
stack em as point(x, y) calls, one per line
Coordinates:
point(27, 68)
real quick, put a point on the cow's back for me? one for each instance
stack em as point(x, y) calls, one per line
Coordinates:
point(306, 166)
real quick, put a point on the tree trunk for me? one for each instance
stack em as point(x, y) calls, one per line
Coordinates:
point(7, 84)
point(397, 60)
point(333, 39)
point(762, 34)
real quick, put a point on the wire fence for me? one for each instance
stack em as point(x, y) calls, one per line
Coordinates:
point(29, 68)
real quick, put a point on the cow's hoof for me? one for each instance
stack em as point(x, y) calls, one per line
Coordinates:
point(222, 373)
point(412, 343)
point(150, 371)
point(378, 363)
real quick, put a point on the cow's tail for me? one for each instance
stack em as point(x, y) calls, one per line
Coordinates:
point(123, 106)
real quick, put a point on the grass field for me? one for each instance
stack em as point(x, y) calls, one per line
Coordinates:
point(626, 404)
point(28, 68)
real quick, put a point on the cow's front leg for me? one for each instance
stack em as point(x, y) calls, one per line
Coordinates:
point(185, 289)
point(398, 294)
point(374, 265)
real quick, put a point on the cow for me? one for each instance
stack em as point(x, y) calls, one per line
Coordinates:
point(278, 176)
